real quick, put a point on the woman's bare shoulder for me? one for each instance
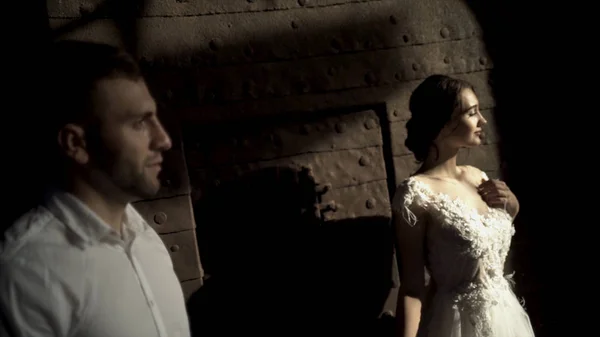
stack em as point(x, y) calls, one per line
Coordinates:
point(473, 174)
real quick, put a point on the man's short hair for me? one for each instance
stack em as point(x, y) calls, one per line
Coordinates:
point(72, 68)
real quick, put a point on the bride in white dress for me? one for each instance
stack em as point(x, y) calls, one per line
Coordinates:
point(455, 223)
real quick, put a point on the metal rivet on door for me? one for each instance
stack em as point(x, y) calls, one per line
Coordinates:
point(340, 127)
point(370, 124)
point(160, 218)
point(370, 203)
point(445, 32)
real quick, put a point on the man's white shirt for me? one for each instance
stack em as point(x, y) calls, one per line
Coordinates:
point(65, 272)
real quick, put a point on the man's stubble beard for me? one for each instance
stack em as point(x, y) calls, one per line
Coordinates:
point(125, 181)
point(137, 184)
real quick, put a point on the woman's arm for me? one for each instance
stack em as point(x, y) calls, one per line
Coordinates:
point(411, 266)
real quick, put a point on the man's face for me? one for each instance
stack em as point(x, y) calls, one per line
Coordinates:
point(131, 139)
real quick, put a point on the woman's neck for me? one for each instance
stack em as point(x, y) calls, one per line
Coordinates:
point(441, 164)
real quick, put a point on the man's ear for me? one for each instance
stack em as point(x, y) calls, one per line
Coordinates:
point(71, 139)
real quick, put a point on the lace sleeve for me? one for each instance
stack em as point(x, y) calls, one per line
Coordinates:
point(405, 200)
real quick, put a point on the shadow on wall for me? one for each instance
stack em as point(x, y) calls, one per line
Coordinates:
point(275, 268)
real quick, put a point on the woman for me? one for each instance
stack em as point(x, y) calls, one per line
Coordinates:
point(455, 223)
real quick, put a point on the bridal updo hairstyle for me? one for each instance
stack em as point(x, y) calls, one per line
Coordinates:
point(432, 105)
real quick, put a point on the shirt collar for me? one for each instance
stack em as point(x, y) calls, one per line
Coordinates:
point(87, 225)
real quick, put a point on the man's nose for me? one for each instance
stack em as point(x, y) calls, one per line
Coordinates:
point(162, 140)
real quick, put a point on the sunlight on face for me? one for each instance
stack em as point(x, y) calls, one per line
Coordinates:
point(466, 126)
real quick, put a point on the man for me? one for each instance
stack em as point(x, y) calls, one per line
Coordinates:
point(84, 262)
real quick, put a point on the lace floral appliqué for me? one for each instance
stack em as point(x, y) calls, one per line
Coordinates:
point(467, 251)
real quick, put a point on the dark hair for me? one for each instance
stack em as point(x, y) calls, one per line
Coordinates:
point(72, 68)
point(431, 105)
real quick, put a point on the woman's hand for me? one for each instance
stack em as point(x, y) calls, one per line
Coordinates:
point(497, 195)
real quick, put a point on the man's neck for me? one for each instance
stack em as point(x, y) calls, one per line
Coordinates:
point(108, 209)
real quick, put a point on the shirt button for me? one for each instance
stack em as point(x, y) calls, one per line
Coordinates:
point(151, 303)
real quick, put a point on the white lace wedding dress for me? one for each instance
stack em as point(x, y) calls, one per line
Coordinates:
point(466, 252)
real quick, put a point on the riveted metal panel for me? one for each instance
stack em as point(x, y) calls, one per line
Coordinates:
point(279, 35)
point(241, 144)
point(371, 199)
point(167, 215)
point(404, 166)
point(396, 98)
point(75, 8)
point(190, 287)
point(338, 169)
point(398, 134)
point(350, 71)
point(183, 249)
point(398, 137)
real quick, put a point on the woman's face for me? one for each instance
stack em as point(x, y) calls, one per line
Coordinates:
point(465, 129)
